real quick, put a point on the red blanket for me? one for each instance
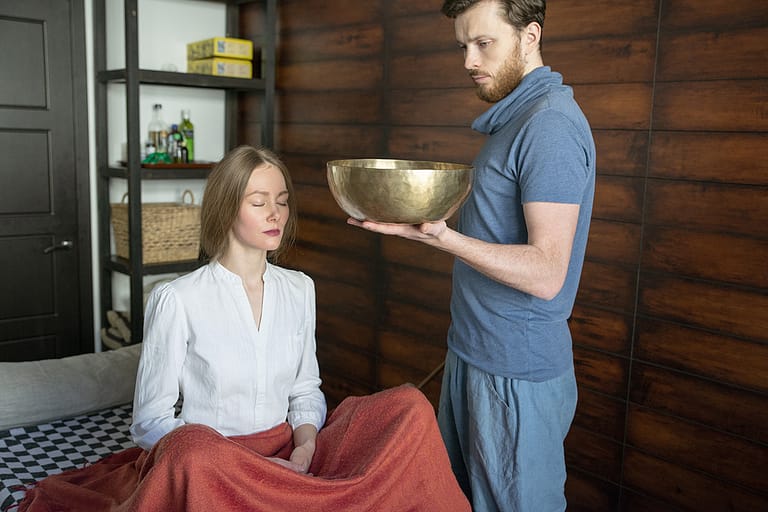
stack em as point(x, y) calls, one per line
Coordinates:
point(381, 452)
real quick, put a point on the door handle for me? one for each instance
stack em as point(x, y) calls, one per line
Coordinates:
point(64, 245)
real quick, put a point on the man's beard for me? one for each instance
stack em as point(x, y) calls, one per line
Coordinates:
point(505, 81)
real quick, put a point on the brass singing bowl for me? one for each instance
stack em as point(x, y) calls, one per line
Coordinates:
point(399, 191)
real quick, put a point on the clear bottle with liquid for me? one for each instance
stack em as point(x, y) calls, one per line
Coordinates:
point(187, 129)
point(158, 130)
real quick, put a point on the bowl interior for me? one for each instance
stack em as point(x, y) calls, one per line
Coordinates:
point(399, 191)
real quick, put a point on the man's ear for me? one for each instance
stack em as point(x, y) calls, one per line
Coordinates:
point(532, 38)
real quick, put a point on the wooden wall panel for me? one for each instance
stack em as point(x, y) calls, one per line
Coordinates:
point(602, 330)
point(594, 454)
point(669, 324)
point(587, 493)
point(717, 357)
point(621, 152)
point(732, 459)
point(690, 490)
point(601, 415)
point(721, 407)
point(714, 55)
point(713, 256)
point(738, 158)
point(611, 60)
point(716, 105)
point(732, 209)
point(601, 372)
point(724, 309)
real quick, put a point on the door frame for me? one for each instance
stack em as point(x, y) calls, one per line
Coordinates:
point(83, 175)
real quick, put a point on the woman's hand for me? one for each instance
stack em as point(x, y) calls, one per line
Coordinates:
point(304, 449)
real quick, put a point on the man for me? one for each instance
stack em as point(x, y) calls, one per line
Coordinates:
point(509, 392)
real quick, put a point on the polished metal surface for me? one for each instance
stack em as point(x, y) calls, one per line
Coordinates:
point(399, 191)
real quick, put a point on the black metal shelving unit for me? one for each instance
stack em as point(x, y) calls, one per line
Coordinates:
point(132, 171)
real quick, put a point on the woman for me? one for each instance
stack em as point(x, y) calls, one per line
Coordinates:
point(235, 337)
point(236, 340)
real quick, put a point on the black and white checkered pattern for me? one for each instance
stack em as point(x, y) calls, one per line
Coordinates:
point(28, 454)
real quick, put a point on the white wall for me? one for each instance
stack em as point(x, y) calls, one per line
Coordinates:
point(165, 26)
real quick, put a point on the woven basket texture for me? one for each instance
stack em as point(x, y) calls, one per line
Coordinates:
point(170, 231)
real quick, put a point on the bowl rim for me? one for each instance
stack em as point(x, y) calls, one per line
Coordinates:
point(394, 164)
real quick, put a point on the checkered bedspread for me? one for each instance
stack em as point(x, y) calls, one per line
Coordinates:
point(28, 454)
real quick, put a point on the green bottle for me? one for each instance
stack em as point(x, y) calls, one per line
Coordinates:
point(188, 131)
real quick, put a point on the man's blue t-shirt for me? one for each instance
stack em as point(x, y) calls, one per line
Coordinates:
point(540, 149)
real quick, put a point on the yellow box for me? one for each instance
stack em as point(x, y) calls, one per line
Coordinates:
point(228, 47)
point(221, 67)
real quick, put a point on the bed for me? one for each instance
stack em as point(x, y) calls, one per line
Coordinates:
point(61, 414)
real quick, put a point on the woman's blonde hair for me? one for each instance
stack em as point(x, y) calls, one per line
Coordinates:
point(224, 193)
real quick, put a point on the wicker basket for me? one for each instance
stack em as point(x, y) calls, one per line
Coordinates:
point(170, 231)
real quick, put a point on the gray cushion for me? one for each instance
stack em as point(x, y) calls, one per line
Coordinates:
point(40, 391)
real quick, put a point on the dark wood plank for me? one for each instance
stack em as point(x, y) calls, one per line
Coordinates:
point(343, 299)
point(337, 387)
point(337, 328)
point(738, 158)
point(599, 18)
point(429, 289)
point(735, 209)
point(587, 493)
point(714, 15)
point(340, 359)
point(458, 145)
point(351, 41)
point(415, 320)
point(302, 15)
point(621, 152)
point(308, 169)
point(717, 357)
point(713, 256)
point(332, 265)
point(716, 105)
point(675, 486)
point(331, 107)
point(421, 353)
point(725, 408)
point(330, 75)
point(428, 31)
point(609, 60)
point(725, 309)
point(409, 7)
point(350, 141)
point(600, 414)
point(593, 454)
point(438, 70)
point(741, 53)
point(323, 233)
point(601, 372)
point(600, 329)
point(612, 241)
point(426, 107)
point(317, 201)
point(624, 106)
point(618, 198)
point(729, 459)
point(607, 285)
point(415, 254)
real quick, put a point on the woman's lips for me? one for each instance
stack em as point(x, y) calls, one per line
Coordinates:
point(272, 232)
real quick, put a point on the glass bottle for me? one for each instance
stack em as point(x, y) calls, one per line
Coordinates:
point(158, 130)
point(188, 131)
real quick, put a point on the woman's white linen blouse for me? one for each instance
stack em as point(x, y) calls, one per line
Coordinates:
point(201, 340)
